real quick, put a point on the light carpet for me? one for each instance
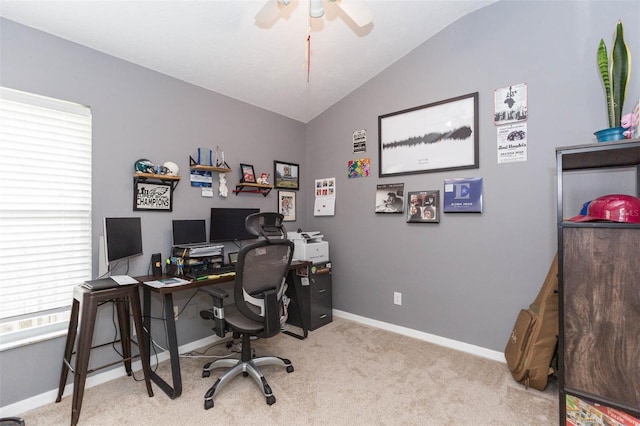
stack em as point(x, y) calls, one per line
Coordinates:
point(346, 373)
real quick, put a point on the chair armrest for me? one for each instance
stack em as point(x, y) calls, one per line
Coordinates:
point(217, 313)
point(216, 292)
point(271, 313)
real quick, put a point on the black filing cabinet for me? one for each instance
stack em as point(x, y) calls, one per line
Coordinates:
point(315, 299)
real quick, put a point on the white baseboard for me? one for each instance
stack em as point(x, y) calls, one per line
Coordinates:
point(97, 379)
point(48, 397)
point(431, 338)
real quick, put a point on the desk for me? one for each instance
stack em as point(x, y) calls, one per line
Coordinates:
point(175, 389)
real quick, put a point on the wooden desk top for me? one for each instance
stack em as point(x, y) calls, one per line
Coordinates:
point(173, 288)
point(296, 264)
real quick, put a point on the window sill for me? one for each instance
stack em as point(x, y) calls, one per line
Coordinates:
point(29, 337)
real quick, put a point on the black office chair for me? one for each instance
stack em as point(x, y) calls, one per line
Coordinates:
point(258, 290)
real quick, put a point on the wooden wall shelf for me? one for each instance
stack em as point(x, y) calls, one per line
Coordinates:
point(255, 188)
point(211, 168)
point(143, 177)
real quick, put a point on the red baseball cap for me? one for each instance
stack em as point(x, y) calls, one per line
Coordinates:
point(612, 208)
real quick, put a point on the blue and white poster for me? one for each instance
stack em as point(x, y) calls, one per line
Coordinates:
point(462, 195)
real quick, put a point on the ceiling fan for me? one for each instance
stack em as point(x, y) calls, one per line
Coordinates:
point(357, 10)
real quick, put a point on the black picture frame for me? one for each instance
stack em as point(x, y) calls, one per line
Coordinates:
point(247, 175)
point(423, 206)
point(390, 198)
point(154, 196)
point(441, 136)
point(286, 175)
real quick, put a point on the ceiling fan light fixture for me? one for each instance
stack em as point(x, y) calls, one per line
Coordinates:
point(315, 9)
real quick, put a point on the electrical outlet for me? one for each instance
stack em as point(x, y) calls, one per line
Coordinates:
point(397, 298)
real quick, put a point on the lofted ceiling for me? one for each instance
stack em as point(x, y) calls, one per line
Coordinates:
point(216, 44)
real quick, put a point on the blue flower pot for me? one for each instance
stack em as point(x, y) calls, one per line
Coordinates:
point(610, 134)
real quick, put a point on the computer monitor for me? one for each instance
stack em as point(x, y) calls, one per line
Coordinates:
point(228, 224)
point(122, 238)
point(189, 232)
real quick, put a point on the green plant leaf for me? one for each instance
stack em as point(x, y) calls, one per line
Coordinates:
point(619, 72)
point(603, 66)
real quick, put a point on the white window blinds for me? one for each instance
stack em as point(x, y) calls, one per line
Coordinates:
point(45, 207)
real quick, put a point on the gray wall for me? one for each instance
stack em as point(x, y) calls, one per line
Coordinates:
point(463, 279)
point(138, 113)
point(467, 277)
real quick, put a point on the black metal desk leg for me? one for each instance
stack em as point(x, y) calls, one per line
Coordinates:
point(172, 337)
point(146, 321)
point(176, 390)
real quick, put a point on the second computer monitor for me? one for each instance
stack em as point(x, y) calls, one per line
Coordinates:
point(189, 232)
point(228, 224)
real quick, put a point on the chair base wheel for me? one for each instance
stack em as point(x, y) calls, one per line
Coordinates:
point(271, 400)
point(208, 403)
point(206, 374)
point(289, 368)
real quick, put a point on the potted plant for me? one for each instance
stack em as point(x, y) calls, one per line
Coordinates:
point(615, 71)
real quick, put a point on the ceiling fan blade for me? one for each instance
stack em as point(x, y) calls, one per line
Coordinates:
point(357, 10)
point(268, 14)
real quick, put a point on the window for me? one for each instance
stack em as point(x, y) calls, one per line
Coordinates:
point(45, 212)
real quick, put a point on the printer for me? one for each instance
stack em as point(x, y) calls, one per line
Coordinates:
point(309, 246)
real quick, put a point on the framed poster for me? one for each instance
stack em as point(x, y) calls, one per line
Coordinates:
point(423, 206)
point(153, 196)
point(430, 138)
point(390, 198)
point(463, 195)
point(287, 205)
point(286, 175)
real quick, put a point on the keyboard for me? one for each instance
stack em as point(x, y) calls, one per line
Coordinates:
point(225, 269)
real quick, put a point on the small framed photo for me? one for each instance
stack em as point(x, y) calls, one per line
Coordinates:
point(153, 196)
point(248, 175)
point(287, 205)
point(286, 175)
point(390, 198)
point(422, 206)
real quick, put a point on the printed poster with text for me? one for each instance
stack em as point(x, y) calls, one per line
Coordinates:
point(512, 143)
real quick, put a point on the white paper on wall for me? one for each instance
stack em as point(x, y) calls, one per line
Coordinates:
point(325, 197)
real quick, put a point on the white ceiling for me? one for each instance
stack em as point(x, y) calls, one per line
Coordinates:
point(216, 44)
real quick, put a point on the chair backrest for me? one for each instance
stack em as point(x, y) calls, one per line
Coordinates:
point(268, 225)
point(261, 271)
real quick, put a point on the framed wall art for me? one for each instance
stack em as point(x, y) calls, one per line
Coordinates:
point(153, 196)
point(286, 175)
point(287, 205)
point(430, 138)
point(463, 195)
point(390, 198)
point(422, 206)
point(247, 173)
